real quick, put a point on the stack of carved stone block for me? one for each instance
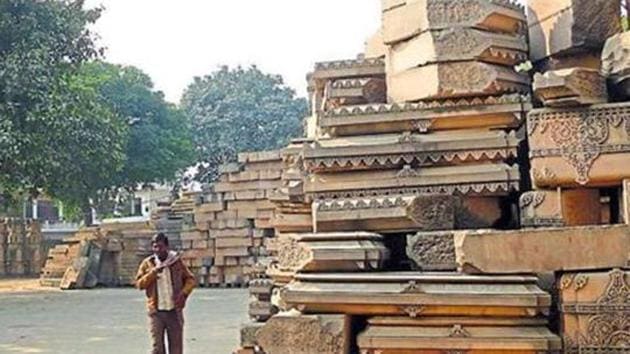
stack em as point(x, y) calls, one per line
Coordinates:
point(577, 141)
point(22, 248)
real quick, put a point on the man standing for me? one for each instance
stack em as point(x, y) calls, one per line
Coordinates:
point(167, 283)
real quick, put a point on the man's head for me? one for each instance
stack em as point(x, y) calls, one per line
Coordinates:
point(159, 243)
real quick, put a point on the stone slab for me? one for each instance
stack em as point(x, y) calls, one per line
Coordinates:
point(616, 64)
point(292, 333)
point(455, 80)
point(375, 46)
point(572, 147)
point(561, 207)
point(358, 91)
point(571, 87)
point(473, 113)
point(352, 68)
point(595, 308)
point(456, 44)
point(543, 250)
point(417, 294)
point(563, 27)
point(417, 16)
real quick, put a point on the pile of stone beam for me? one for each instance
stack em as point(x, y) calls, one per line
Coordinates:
point(22, 248)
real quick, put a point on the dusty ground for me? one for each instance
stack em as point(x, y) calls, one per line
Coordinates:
point(22, 286)
point(105, 321)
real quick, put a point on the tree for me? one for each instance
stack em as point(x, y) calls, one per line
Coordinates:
point(237, 110)
point(56, 135)
point(159, 143)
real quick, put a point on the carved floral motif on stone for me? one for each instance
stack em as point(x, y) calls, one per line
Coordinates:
point(431, 250)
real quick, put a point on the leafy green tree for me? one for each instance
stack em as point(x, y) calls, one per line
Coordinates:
point(238, 110)
point(56, 134)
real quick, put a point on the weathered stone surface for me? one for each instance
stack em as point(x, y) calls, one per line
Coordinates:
point(401, 22)
point(562, 27)
point(417, 294)
point(349, 69)
point(248, 334)
point(616, 63)
point(595, 311)
point(455, 80)
point(543, 250)
point(375, 46)
point(432, 251)
point(488, 113)
point(395, 151)
point(580, 146)
point(358, 91)
point(456, 44)
point(471, 179)
point(331, 252)
point(571, 87)
point(292, 333)
point(625, 201)
point(561, 207)
point(457, 338)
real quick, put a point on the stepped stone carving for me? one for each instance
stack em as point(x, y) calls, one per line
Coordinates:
point(358, 91)
point(542, 250)
point(417, 295)
point(305, 334)
point(571, 87)
point(507, 111)
point(403, 21)
point(456, 44)
point(563, 27)
point(349, 68)
point(616, 63)
point(432, 251)
point(562, 207)
point(595, 311)
point(458, 79)
point(580, 146)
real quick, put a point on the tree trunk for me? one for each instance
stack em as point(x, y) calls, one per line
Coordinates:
point(88, 216)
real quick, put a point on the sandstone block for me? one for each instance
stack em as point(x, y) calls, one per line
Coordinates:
point(561, 207)
point(456, 44)
point(454, 80)
point(292, 333)
point(543, 250)
point(571, 87)
point(432, 251)
point(580, 146)
point(616, 63)
point(375, 46)
point(248, 334)
point(595, 308)
point(349, 69)
point(358, 91)
point(416, 16)
point(562, 27)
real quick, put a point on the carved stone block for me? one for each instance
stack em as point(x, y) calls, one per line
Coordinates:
point(292, 333)
point(334, 252)
point(349, 68)
point(570, 87)
point(457, 338)
point(375, 46)
point(580, 146)
point(595, 311)
point(562, 27)
point(454, 80)
point(561, 207)
point(502, 112)
point(543, 250)
point(616, 63)
point(456, 44)
point(358, 91)
point(432, 251)
point(416, 295)
point(401, 22)
point(248, 334)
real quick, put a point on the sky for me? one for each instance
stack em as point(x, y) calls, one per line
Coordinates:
point(175, 40)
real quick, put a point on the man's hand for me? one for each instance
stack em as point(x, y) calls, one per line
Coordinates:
point(160, 268)
point(180, 300)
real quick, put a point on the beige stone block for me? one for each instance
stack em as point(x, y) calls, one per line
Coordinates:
point(543, 250)
point(415, 294)
point(432, 251)
point(293, 333)
point(595, 308)
point(354, 68)
point(616, 63)
point(358, 91)
point(375, 46)
point(456, 44)
point(331, 252)
point(571, 87)
point(561, 207)
point(490, 113)
point(454, 80)
point(561, 27)
point(387, 5)
point(417, 16)
point(580, 146)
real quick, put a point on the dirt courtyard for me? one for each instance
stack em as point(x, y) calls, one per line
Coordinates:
point(103, 321)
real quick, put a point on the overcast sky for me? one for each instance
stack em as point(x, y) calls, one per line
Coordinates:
point(175, 40)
